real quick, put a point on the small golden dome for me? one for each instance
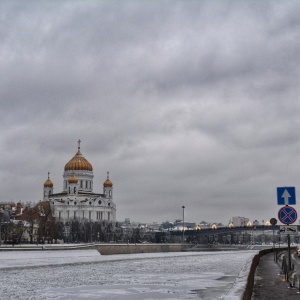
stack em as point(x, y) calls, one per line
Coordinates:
point(78, 162)
point(268, 223)
point(107, 182)
point(73, 179)
point(48, 182)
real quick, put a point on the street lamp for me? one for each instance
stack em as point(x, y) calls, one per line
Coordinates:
point(67, 228)
point(183, 207)
point(1, 217)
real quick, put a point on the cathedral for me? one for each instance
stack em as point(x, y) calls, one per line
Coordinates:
point(77, 200)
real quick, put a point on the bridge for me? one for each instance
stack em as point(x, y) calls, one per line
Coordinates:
point(236, 234)
point(225, 230)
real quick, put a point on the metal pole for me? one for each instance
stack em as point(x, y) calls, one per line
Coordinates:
point(274, 244)
point(289, 253)
point(1, 219)
point(183, 207)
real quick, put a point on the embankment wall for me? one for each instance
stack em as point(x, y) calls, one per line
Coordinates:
point(109, 249)
point(250, 281)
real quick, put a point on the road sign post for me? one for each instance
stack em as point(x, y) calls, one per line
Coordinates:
point(288, 229)
point(286, 196)
point(273, 222)
point(287, 215)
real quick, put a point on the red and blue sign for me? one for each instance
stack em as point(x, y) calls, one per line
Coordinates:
point(287, 215)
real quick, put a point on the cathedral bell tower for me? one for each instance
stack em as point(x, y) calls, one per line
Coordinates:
point(108, 188)
point(48, 188)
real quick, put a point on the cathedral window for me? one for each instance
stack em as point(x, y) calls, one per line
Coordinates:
point(74, 190)
point(99, 215)
point(86, 184)
point(81, 184)
point(110, 193)
point(68, 214)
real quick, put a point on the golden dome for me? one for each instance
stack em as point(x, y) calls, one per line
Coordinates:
point(78, 162)
point(268, 223)
point(73, 179)
point(107, 182)
point(48, 182)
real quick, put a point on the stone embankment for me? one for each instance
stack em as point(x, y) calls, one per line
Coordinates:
point(270, 283)
point(210, 247)
point(49, 247)
point(109, 249)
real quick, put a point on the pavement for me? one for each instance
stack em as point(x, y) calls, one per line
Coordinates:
point(270, 283)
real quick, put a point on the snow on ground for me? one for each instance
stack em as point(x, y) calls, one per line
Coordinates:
point(84, 274)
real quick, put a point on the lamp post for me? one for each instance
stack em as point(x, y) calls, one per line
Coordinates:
point(67, 227)
point(183, 207)
point(1, 217)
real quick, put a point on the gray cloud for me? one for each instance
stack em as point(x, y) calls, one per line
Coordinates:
point(185, 103)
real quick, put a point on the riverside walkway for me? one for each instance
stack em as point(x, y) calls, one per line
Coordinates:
point(270, 283)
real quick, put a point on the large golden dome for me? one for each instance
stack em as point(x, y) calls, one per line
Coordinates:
point(78, 162)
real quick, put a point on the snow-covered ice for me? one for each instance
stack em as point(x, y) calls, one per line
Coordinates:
point(85, 274)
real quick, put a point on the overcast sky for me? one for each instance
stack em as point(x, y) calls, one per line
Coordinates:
point(192, 103)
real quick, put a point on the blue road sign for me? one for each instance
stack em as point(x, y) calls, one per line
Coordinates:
point(287, 215)
point(286, 196)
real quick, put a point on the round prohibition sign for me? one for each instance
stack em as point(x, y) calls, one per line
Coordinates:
point(287, 215)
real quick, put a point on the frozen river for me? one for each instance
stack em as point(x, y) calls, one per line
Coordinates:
point(85, 274)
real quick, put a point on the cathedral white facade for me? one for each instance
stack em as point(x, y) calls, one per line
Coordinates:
point(77, 200)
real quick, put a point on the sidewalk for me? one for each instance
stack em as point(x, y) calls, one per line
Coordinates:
point(269, 282)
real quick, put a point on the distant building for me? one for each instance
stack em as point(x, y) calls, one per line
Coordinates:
point(187, 224)
point(167, 225)
point(77, 201)
point(240, 221)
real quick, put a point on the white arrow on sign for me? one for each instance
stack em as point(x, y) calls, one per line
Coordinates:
point(286, 195)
